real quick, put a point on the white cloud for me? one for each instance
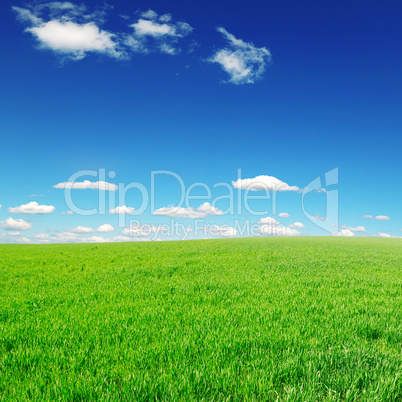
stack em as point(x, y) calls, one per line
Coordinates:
point(32, 208)
point(96, 239)
point(122, 210)
point(81, 229)
point(67, 29)
point(150, 14)
point(344, 233)
point(268, 221)
point(15, 224)
point(84, 229)
point(382, 218)
point(68, 213)
point(0, 206)
point(297, 225)
point(179, 212)
point(378, 217)
point(278, 230)
point(24, 240)
point(356, 229)
point(141, 230)
point(244, 62)
point(121, 239)
point(284, 215)
point(221, 231)
point(153, 32)
point(66, 237)
point(74, 39)
point(105, 228)
point(208, 209)
point(14, 234)
point(71, 32)
point(26, 16)
point(151, 28)
point(387, 235)
point(86, 184)
point(42, 236)
point(270, 226)
point(263, 183)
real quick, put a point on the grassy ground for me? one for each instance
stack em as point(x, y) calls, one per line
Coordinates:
point(283, 318)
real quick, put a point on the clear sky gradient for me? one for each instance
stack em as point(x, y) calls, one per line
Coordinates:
point(308, 87)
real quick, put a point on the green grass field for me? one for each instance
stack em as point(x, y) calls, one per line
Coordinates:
point(304, 319)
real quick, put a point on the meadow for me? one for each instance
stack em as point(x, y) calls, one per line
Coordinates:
point(299, 319)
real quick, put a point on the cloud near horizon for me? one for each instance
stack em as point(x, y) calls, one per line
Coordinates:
point(344, 233)
point(84, 229)
point(271, 227)
point(15, 224)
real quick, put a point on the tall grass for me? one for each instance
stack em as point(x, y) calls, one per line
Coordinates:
point(243, 319)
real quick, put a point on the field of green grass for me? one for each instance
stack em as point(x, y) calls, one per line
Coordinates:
point(304, 319)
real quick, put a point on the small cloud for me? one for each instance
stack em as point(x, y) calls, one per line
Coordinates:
point(271, 227)
point(11, 234)
point(105, 228)
point(179, 212)
point(121, 239)
point(68, 213)
point(284, 215)
point(355, 229)
point(387, 235)
point(42, 236)
point(208, 209)
point(143, 230)
point(221, 231)
point(244, 62)
point(297, 225)
point(378, 217)
point(122, 210)
point(150, 14)
point(32, 208)
point(24, 240)
point(268, 221)
point(153, 32)
point(344, 233)
point(86, 184)
point(82, 229)
point(15, 224)
point(96, 239)
point(263, 183)
point(151, 28)
point(382, 218)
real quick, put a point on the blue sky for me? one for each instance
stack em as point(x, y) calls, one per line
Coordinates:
point(283, 90)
